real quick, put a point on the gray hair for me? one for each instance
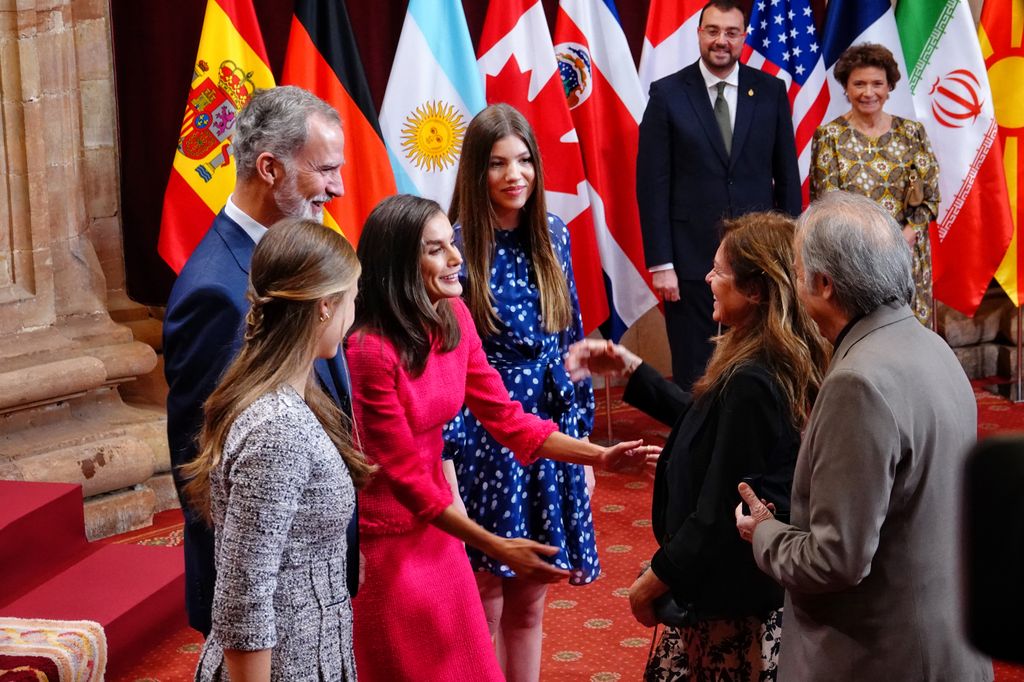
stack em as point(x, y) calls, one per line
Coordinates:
point(275, 120)
point(856, 243)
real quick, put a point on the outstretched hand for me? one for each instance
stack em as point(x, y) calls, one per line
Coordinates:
point(524, 557)
point(632, 454)
point(760, 510)
point(593, 356)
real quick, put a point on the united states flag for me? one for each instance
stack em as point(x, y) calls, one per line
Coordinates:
point(783, 41)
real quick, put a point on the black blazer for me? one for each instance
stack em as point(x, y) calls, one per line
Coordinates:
point(202, 334)
point(685, 182)
point(740, 431)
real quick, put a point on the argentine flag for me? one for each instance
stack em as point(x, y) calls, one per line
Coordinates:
point(848, 22)
point(435, 88)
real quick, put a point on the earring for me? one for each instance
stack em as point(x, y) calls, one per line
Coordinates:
point(324, 317)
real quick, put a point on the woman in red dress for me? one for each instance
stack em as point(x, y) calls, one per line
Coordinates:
point(415, 359)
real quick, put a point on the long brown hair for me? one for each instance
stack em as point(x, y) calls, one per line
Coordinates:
point(297, 264)
point(779, 333)
point(471, 207)
point(393, 299)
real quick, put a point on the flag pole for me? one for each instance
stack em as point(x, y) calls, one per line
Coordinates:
point(608, 386)
point(1017, 397)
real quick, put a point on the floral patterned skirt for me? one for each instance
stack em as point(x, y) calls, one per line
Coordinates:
point(922, 265)
point(733, 649)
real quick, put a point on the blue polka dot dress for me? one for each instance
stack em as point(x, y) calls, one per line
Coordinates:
point(546, 501)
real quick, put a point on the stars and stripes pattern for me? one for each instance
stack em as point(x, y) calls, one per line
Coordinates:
point(782, 40)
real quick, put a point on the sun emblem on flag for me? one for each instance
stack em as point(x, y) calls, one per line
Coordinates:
point(432, 136)
point(576, 69)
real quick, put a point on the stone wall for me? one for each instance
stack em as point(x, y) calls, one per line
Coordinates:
point(63, 357)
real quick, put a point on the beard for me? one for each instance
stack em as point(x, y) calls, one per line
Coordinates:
point(292, 204)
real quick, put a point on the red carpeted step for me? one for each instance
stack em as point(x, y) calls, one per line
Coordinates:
point(134, 592)
point(41, 533)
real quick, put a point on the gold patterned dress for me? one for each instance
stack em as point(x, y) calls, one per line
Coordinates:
point(880, 168)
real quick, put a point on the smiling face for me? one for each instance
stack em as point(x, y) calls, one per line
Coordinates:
point(867, 88)
point(720, 37)
point(312, 176)
point(732, 307)
point(440, 260)
point(510, 179)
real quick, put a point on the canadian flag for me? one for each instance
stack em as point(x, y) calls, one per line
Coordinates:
point(670, 41)
point(517, 59)
point(603, 93)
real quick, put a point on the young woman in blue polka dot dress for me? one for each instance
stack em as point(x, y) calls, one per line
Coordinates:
point(519, 286)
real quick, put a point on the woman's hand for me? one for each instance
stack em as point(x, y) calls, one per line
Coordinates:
point(592, 356)
point(760, 511)
point(910, 236)
point(631, 454)
point(642, 593)
point(524, 557)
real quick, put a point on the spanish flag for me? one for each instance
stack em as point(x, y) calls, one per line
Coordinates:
point(322, 57)
point(230, 65)
point(1001, 34)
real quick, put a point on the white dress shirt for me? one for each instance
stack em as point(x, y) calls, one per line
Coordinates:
point(251, 227)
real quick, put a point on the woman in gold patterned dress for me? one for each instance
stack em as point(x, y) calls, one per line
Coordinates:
point(884, 157)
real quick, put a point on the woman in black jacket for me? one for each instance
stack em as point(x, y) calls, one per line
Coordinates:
point(742, 422)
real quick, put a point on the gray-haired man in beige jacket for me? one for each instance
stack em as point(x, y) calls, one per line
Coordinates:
point(870, 562)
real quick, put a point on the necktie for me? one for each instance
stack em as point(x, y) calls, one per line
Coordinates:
point(722, 117)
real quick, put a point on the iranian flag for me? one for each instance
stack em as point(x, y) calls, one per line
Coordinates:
point(948, 81)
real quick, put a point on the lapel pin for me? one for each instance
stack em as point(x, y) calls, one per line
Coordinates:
point(750, 92)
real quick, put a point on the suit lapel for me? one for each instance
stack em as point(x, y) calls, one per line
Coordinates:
point(746, 103)
point(235, 238)
point(697, 91)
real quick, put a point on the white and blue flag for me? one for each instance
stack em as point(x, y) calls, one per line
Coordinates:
point(434, 90)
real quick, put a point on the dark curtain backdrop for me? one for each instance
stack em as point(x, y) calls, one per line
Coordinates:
point(154, 48)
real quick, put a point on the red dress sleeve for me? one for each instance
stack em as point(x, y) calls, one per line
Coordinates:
point(488, 400)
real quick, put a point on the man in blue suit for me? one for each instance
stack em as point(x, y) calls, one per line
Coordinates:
point(288, 149)
point(716, 141)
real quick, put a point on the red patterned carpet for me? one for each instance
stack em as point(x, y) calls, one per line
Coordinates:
point(589, 632)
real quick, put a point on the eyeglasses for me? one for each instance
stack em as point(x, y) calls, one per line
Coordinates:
point(713, 32)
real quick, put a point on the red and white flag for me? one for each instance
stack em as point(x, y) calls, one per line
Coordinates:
point(782, 40)
point(517, 60)
point(670, 41)
point(604, 94)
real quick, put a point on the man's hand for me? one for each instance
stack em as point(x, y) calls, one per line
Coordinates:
point(760, 511)
point(362, 570)
point(666, 284)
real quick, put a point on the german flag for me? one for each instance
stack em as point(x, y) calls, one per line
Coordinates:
point(231, 64)
point(322, 57)
point(1001, 34)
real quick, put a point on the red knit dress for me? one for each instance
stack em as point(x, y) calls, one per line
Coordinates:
point(418, 615)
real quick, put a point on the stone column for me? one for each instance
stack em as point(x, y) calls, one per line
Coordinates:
point(63, 358)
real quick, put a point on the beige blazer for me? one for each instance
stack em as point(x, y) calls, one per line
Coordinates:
point(870, 564)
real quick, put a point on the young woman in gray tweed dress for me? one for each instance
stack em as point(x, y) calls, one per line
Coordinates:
point(276, 473)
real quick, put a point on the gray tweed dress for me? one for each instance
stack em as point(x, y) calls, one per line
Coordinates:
point(281, 499)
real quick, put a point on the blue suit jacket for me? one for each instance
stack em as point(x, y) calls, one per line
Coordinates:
point(202, 333)
point(685, 181)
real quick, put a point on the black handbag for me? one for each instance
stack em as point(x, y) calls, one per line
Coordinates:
point(667, 611)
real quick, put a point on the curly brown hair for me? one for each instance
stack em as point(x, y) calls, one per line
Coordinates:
point(867, 55)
